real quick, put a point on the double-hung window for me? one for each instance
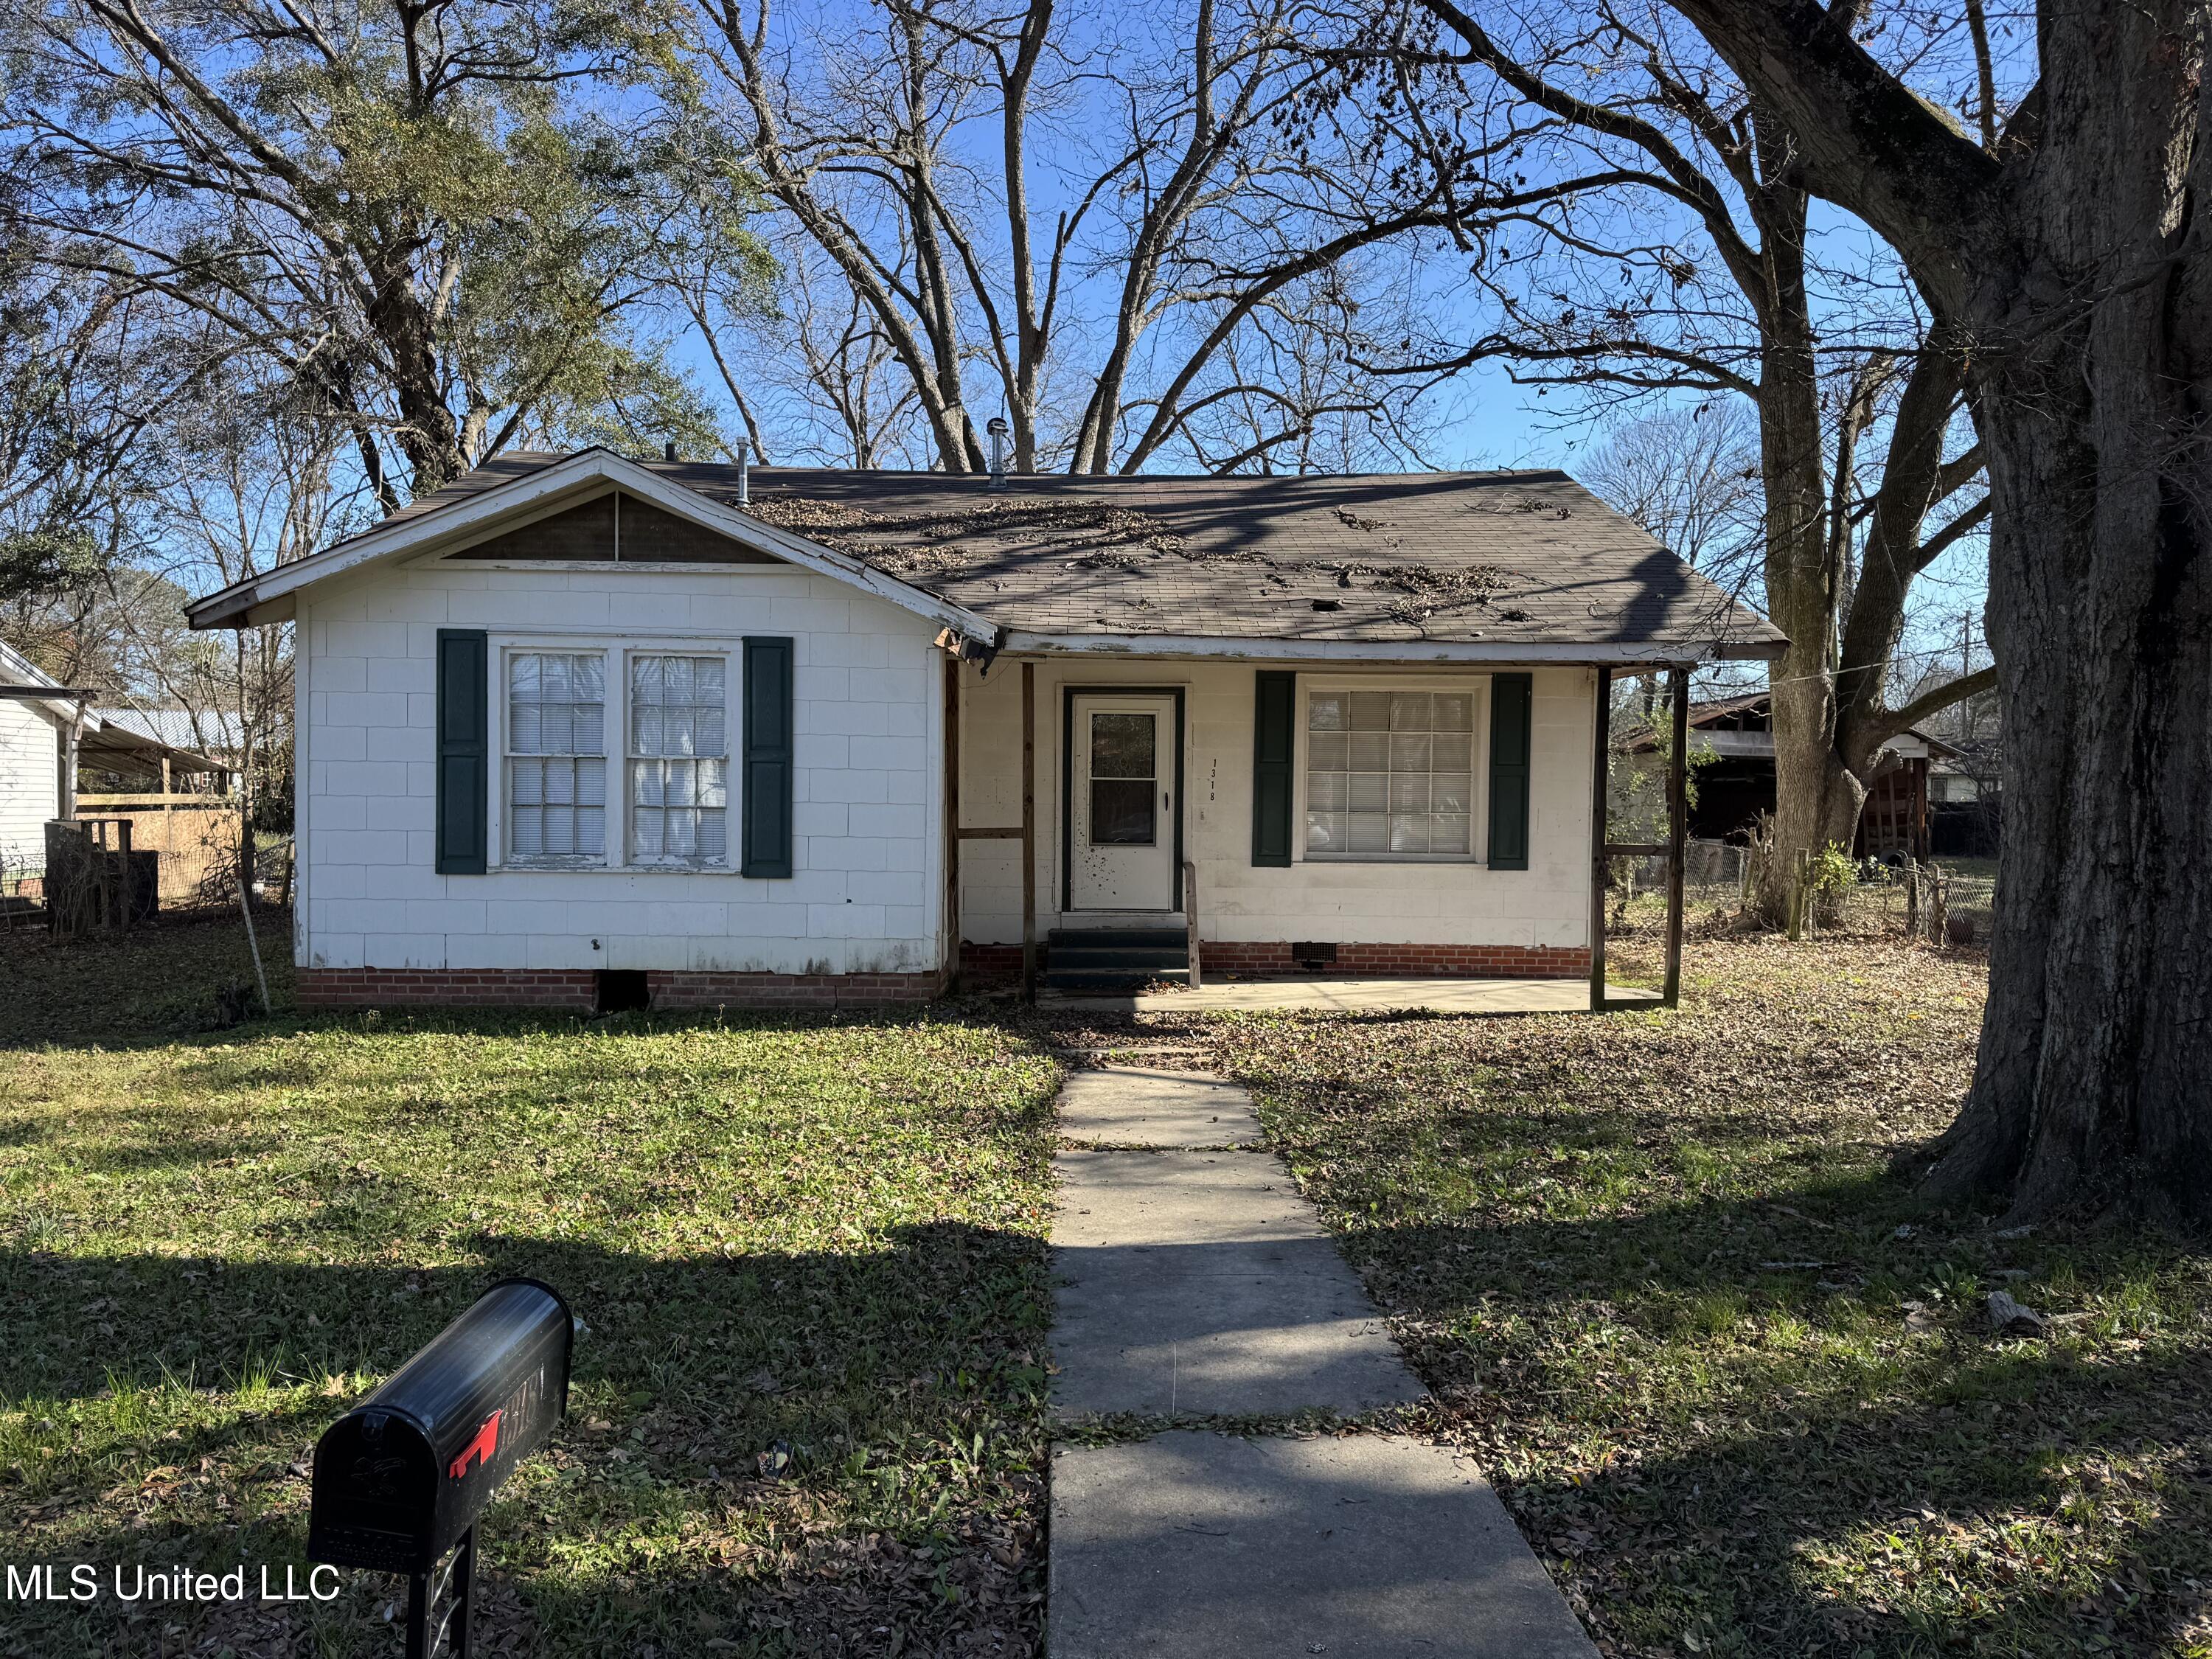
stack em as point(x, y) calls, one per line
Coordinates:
point(679, 761)
point(1390, 775)
point(556, 765)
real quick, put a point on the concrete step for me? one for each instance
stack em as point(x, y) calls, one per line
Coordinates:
point(1112, 979)
point(1130, 956)
point(1120, 938)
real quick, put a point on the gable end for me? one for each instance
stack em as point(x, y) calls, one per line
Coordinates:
point(615, 528)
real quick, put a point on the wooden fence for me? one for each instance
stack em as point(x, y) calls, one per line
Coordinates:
point(196, 836)
point(97, 881)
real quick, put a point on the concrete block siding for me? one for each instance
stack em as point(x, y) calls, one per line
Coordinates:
point(377, 922)
point(862, 918)
point(1537, 918)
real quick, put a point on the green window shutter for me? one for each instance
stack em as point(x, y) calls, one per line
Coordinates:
point(1275, 745)
point(1508, 771)
point(464, 751)
point(766, 801)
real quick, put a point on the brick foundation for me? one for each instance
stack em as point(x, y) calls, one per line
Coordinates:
point(994, 962)
point(576, 990)
point(712, 990)
point(1004, 962)
point(447, 988)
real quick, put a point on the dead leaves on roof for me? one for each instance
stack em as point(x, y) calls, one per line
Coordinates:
point(1101, 536)
point(947, 541)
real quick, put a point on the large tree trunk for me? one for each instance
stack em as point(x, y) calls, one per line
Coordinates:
point(2075, 262)
point(2094, 1081)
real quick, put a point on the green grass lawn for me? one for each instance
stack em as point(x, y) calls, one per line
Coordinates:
point(1666, 1275)
point(808, 1412)
point(1736, 1382)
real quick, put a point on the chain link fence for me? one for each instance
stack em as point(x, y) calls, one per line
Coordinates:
point(1944, 902)
point(22, 885)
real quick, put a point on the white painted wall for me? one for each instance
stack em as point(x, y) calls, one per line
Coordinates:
point(1440, 902)
point(865, 897)
point(30, 783)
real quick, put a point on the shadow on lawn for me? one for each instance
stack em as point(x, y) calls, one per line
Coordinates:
point(139, 989)
point(905, 1381)
point(1713, 1504)
point(1713, 1539)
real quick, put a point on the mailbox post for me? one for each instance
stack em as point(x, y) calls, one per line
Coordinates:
point(400, 1478)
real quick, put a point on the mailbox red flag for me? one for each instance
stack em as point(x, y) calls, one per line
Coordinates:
point(478, 1451)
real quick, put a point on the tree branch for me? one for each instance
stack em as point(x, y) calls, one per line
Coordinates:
point(1884, 726)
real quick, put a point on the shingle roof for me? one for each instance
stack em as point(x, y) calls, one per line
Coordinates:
point(1498, 558)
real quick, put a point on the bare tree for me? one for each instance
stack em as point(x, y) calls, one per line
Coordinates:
point(2062, 253)
point(89, 380)
point(1672, 255)
point(1186, 209)
point(825, 384)
point(1691, 476)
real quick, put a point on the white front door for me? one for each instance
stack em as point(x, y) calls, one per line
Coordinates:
point(1121, 803)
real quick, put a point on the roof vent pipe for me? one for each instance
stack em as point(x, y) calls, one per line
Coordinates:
point(743, 450)
point(997, 431)
point(669, 452)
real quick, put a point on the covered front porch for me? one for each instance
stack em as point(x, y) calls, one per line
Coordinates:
point(1354, 831)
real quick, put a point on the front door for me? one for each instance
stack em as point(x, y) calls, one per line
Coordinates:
point(1121, 805)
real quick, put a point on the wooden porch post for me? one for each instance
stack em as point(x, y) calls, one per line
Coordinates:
point(65, 803)
point(952, 820)
point(1920, 843)
point(1028, 832)
point(1678, 834)
point(1600, 753)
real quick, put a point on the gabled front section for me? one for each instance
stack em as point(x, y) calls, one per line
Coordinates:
point(610, 754)
point(581, 732)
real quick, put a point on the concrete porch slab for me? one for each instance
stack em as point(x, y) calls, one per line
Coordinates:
point(1449, 996)
point(1201, 1283)
point(1363, 1547)
point(1152, 1106)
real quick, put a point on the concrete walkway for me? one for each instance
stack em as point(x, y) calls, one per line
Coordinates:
point(1196, 1282)
point(1449, 996)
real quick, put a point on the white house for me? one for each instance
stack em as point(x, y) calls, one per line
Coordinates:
point(44, 740)
point(579, 729)
point(34, 745)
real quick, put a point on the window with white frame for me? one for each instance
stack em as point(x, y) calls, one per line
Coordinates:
point(679, 760)
point(557, 765)
point(1390, 775)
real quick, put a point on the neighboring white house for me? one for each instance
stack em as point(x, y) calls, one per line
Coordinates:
point(34, 740)
point(37, 766)
point(762, 738)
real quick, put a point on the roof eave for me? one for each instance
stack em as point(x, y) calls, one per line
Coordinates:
point(1580, 652)
point(270, 597)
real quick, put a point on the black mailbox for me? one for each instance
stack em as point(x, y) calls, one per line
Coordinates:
point(400, 1477)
